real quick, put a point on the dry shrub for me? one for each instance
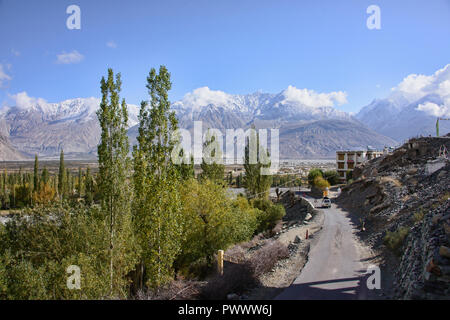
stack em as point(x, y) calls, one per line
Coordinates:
point(265, 259)
point(175, 290)
point(237, 252)
point(238, 278)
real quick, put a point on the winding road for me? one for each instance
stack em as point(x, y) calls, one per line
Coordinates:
point(335, 267)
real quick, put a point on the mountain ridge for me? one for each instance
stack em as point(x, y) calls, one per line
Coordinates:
point(37, 127)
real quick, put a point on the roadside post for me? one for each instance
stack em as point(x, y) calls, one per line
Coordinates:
point(220, 262)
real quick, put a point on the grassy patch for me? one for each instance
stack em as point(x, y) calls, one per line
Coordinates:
point(394, 240)
point(418, 216)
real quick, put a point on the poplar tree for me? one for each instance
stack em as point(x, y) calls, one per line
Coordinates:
point(257, 185)
point(157, 204)
point(68, 184)
point(45, 176)
point(80, 182)
point(62, 180)
point(36, 173)
point(88, 193)
point(186, 168)
point(114, 167)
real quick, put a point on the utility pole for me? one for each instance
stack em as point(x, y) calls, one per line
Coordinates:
point(437, 125)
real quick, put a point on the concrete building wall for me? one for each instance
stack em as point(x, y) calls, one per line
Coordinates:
point(348, 160)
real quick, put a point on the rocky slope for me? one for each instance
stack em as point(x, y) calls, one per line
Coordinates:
point(7, 152)
point(402, 201)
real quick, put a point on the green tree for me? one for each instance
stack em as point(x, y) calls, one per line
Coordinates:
point(313, 173)
point(62, 178)
point(186, 168)
point(114, 168)
point(45, 177)
point(212, 221)
point(331, 176)
point(257, 179)
point(269, 213)
point(321, 183)
point(79, 182)
point(156, 181)
point(212, 161)
point(36, 173)
point(89, 187)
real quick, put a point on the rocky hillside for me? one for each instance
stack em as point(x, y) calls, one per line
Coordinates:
point(7, 152)
point(402, 201)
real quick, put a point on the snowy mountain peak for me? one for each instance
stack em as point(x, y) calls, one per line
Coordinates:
point(291, 102)
point(412, 107)
point(78, 109)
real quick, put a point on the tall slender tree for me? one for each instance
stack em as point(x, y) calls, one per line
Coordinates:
point(36, 173)
point(62, 178)
point(114, 168)
point(157, 204)
point(80, 182)
point(88, 187)
point(256, 183)
point(45, 176)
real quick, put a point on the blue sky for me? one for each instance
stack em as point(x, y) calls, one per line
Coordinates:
point(234, 46)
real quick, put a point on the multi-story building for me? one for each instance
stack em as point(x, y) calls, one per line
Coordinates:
point(348, 160)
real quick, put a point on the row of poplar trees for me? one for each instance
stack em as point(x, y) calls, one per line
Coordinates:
point(141, 197)
point(152, 215)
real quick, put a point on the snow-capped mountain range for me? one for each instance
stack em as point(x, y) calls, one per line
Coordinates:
point(310, 123)
point(290, 104)
point(412, 108)
point(34, 126)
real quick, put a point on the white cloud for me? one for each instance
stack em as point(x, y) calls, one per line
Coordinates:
point(416, 86)
point(311, 98)
point(204, 96)
point(3, 76)
point(111, 44)
point(434, 109)
point(23, 101)
point(15, 52)
point(69, 58)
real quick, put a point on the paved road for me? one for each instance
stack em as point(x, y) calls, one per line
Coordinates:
point(334, 269)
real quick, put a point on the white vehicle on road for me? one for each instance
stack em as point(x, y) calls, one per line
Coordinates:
point(326, 202)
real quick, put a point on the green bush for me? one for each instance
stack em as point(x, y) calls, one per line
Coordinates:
point(313, 174)
point(394, 240)
point(332, 177)
point(269, 214)
point(37, 246)
point(321, 183)
point(212, 221)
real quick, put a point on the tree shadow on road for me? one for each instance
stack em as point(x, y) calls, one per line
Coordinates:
point(353, 288)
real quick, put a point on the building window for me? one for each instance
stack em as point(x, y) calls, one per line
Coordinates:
point(341, 156)
point(341, 165)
